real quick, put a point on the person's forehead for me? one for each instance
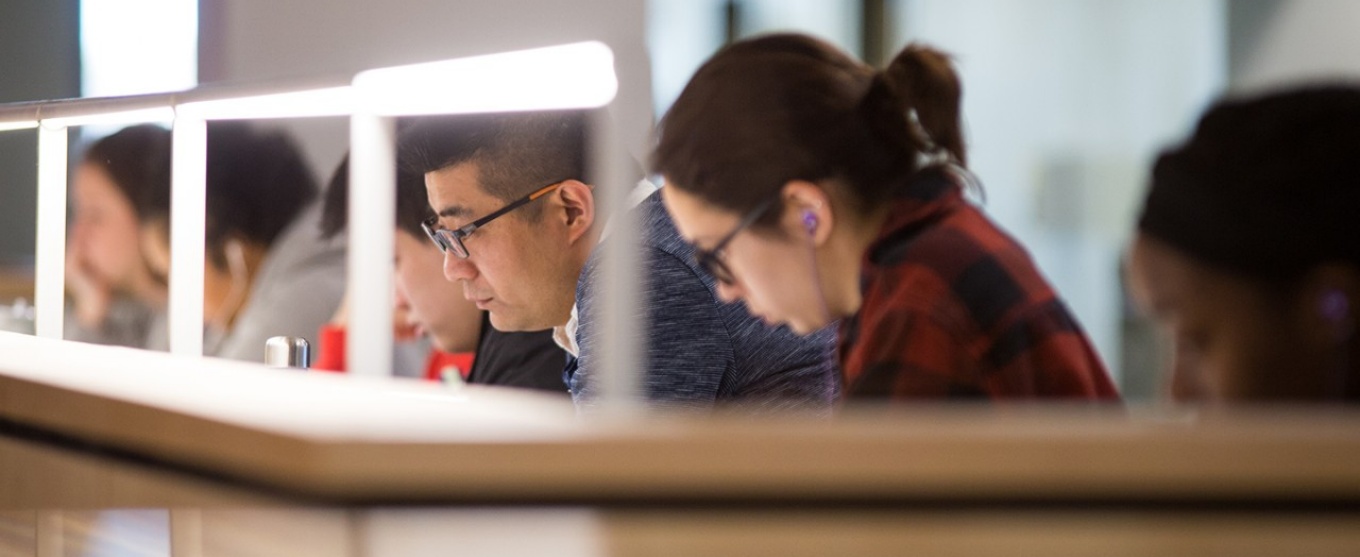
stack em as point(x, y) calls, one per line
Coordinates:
point(92, 180)
point(695, 219)
point(1158, 275)
point(1188, 286)
point(461, 176)
point(455, 191)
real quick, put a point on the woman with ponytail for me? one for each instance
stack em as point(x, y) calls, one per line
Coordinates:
point(817, 189)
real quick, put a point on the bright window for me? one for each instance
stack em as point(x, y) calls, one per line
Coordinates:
point(129, 47)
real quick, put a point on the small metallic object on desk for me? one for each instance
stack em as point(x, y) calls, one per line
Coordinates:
point(287, 352)
point(17, 317)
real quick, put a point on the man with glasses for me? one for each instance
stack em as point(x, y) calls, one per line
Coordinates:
point(518, 222)
point(465, 346)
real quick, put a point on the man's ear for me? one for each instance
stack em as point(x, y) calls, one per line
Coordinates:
point(577, 208)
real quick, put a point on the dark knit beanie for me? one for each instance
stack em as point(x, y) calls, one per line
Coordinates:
point(1268, 186)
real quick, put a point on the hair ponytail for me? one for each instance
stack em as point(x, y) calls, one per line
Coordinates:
point(929, 94)
point(784, 107)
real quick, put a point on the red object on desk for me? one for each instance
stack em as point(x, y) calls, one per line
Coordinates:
point(331, 356)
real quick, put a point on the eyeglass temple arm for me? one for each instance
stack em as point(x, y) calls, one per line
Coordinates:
point(474, 225)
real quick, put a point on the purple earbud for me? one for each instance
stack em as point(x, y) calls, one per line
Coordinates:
point(1334, 306)
point(810, 221)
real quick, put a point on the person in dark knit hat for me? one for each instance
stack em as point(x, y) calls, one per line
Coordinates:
point(1248, 249)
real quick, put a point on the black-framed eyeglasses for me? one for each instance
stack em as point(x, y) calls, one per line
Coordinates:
point(451, 240)
point(710, 260)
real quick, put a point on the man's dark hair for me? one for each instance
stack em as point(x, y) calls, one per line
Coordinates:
point(257, 185)
point(412, 205)
point(515, 153)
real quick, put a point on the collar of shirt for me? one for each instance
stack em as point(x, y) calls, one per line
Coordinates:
point(923, 202)
point(565, 335)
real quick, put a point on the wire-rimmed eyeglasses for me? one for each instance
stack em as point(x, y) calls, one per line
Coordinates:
point(450, 240)
point(710, 259)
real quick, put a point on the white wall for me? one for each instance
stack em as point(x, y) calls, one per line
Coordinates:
point(1065, 103)
point(1282, 41)
point(683, 34)
point(246, 40)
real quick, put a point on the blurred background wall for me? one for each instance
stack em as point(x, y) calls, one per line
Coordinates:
point(39, 59)
point(244, 40)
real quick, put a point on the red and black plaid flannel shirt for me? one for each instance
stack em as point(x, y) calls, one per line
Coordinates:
point(954, 308)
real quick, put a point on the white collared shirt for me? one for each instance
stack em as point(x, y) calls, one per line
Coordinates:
point(565, 335)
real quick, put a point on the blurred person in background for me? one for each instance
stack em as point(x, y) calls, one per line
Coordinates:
point(818, 189)
point(267, 270)
point(1248, 249)
point(427, 305)
point(114, 296)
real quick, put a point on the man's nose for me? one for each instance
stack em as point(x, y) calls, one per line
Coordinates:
point(456, 268)
point(728, 292)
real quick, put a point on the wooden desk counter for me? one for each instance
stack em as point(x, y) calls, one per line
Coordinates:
point(108, 451)
point(345, 440)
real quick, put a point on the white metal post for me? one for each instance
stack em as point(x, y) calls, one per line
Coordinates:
point(623, 345)
point(186, 533)
point(50, 534)
point(49, 288)
point(188, 203)
point(372, 219)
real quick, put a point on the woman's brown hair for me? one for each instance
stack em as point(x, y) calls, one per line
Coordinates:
point(765, 111)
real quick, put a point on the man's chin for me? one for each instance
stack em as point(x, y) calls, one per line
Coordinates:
point(448, 347)
point(510, 323)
